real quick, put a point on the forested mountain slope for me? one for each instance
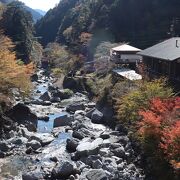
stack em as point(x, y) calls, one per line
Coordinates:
point(141, 22)
point(17, 23)
point(6, 1)
point(41, 11)
point(35, 14)
point(48, 26)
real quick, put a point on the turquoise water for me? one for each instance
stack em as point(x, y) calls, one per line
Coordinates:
point(47, 127)
point(62, 137)
point(42, 88)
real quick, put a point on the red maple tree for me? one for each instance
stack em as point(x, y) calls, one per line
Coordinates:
point(162, 123)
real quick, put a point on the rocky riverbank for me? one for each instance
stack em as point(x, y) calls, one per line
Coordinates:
point(61, 135)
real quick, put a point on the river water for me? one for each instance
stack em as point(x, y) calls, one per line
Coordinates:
point(11, 167)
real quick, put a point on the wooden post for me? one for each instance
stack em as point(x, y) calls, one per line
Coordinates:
point(169, 69)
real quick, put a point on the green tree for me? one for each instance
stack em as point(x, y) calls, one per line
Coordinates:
point(18, 25)
point(129, 105)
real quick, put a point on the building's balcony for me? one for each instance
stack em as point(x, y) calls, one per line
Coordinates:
point(125, 58)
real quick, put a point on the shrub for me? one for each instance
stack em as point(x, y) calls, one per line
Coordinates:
point(160, 128)
point(20, 62)
point(59, 57)
point(57, 71)
point(171, 144)
point(68, 93)
point(55, 54)
point(129, 105)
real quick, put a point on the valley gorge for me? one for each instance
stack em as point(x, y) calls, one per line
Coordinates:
point(70, 140)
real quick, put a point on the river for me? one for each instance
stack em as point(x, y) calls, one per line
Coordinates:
point(80, 149)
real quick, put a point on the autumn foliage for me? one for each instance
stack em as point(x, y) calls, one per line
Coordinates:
point(85, 37)
point(12, 75)
point(160, 128)
point(138, 98)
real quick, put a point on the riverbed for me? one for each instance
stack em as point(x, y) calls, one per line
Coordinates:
point(81, 147)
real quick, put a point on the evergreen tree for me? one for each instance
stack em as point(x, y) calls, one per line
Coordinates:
point(18, 25)
point(142, 23)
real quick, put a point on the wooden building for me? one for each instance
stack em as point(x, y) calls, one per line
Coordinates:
point(125, 54)
point(163, 59)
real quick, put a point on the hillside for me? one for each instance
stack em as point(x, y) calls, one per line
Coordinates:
point(35, 14)
point(80, 109)
point(142, 22)
point(6, 1)
point(41, 11)
point(17, 24)
point(48, 26)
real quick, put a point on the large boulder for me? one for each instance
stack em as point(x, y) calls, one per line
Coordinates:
point(64, 120)
point(78, 134)
point(96, 174)
point(19, 141)
point(119, 152)
point(33, 144)
point(91, 105)
point(4, 146)
point(63, 94)
point(46, 96)
point(71, 144)
point(104, 152)
point(22, 114)
point(52, 88)
point(89, 113)
point(63, 170)
point(2, 154)
point(89, 148)
point(33, 175)
point(97, 117)
point(34, 77)
point(97, 164)
point(66, 93)
point(124, 140)
point(6, 124)
point(105, 136)
point(75, 107)
point(55, 99)
point(108, 115)
point(43, 138)
point(91, 159)
point(75, 84)
point(27, 134)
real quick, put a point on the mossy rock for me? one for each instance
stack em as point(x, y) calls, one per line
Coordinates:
point(66, 93)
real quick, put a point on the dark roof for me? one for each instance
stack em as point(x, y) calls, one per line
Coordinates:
point(167, 50)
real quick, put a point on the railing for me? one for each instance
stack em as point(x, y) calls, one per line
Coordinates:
point(119, 60)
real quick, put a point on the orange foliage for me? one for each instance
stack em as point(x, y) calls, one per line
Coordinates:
point(29, 68)
point(171, 143)
point(85, 37)
point(12, 75)
point(162, 122)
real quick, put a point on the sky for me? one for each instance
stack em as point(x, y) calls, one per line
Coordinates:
point(44, 5)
